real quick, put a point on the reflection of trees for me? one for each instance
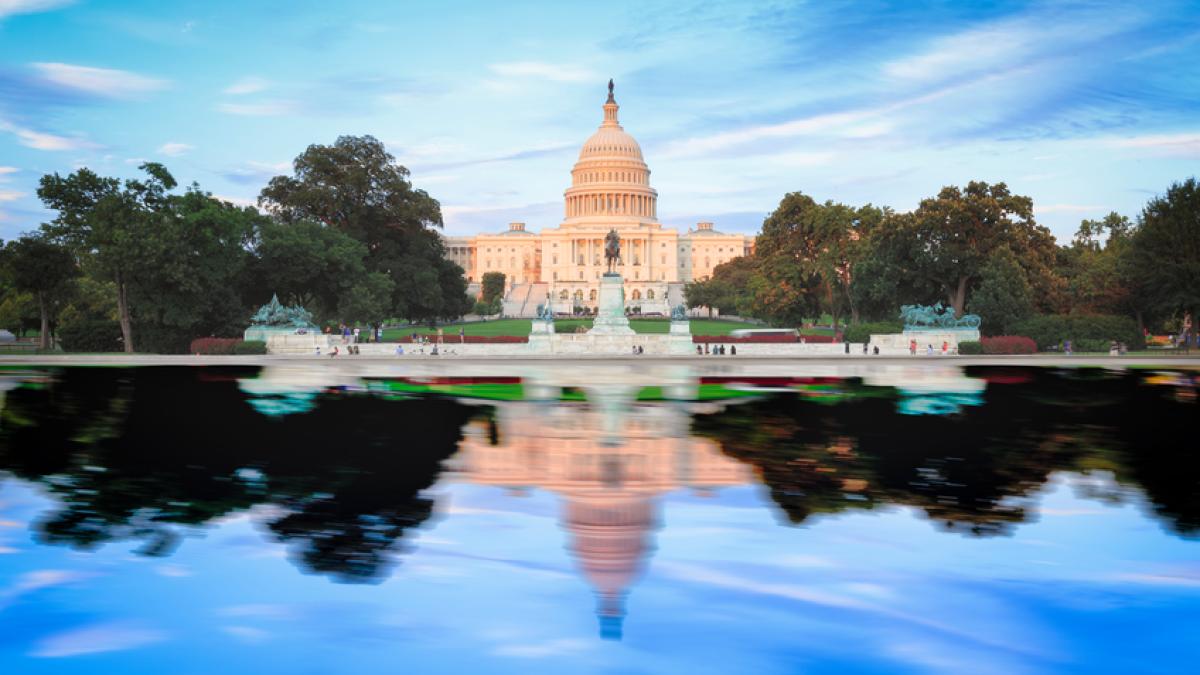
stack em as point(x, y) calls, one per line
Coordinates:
point(133, 454)
point(975, 471)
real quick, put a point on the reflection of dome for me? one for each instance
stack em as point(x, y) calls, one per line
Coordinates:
point(611, 178)
point(610, 537)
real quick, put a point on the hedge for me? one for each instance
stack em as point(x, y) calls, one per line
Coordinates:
point(213, 345)
point(1050, 330)
point(862, 332)
point(91, 335)
point(250, 347)
point(970, 348)
point(1008, 344)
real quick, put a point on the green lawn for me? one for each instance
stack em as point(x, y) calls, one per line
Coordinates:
point(523, 326)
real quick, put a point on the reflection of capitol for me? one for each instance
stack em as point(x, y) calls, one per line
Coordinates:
point(609, 486)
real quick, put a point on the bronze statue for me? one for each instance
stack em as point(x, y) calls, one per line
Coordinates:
point(610, 91)
point(612, 249)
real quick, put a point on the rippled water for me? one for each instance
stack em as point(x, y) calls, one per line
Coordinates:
point(596, 519)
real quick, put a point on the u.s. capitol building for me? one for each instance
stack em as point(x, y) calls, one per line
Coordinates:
point(610, 189)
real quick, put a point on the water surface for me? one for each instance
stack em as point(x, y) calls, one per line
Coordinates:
point(297, 519)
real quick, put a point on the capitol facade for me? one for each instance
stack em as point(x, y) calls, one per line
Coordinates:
point(610, 189)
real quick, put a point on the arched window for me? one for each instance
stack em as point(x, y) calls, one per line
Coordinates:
point(637, 295)
point(592, 295)
point(650, 294)
point(578, 295)
point(562, 295)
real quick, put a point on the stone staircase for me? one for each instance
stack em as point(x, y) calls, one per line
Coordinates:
point(522, 299)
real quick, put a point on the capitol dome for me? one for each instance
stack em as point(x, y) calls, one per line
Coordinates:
point(611, 180)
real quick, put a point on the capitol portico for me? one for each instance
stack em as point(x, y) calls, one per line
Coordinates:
point(610, 189)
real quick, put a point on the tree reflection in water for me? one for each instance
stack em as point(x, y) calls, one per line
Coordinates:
point(975, 471)
point(135, 454)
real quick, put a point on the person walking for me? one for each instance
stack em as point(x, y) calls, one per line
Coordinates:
point(462, 335)
point(847, 346)
point(733, 350)
point(356, 329)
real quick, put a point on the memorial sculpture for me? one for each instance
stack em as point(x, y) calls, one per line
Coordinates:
point(679, 313)
point(275, 318)
point(936, 317)
point(612, 250)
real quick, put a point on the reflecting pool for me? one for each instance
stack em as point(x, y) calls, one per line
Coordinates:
point(308, 519)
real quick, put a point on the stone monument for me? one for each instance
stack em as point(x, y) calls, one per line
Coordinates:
point(610, 308)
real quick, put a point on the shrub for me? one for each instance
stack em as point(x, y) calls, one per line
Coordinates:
point(250, 347)
point(213, 345)
point(91, 335)
point(1091, 345)
point(1049, 330)
point(970, 348)
point(1008, 344)
point(862, 332)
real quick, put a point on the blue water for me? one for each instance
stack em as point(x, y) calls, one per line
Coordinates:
point(574, 537)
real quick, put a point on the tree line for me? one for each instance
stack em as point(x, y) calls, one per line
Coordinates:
point(142, 266)
point(977, 249)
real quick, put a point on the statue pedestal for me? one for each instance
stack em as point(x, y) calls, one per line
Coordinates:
point(680, 339)
point(610, 308)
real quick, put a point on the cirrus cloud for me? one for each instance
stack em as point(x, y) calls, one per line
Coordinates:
point(95, 639)
point(105, 82)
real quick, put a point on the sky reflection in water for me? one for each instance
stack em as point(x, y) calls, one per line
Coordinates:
point(905, 519)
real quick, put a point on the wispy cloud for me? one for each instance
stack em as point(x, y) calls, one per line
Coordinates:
point(256, 173)
point(540, 70)
point(37, 580)
point(1067, 208)
point(44, 141)
point(104, 82)
point(174, 149)
point(14, 7)
point(6, 170)
point(95, 639)
point(10, 196)
point(246, 85)
point(560, 647)
point(1186, 145)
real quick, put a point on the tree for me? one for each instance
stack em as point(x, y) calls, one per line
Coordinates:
point(727, 289)
point(787, 287)
point(1003, 298)
point(1165, 255)
point(357, 187)
point(43, 269)
point(940, 249)
point(369, 300)
point(310, 264)
point(1096, 268)
point(110, 223)
point(493, 287)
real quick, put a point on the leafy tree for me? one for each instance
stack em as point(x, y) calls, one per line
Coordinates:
point(1003, 298)
point(493, 286)
point(940, 249)
point(727, 289)
point(195, 264)
point(356, 186)
point(114, 225)
point(309, 264)
point(368, 301)
point(1165, 255)
point(43, 269)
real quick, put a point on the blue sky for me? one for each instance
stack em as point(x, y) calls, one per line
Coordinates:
point(1087, 107)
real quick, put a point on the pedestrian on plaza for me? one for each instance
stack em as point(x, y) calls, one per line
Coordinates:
point(945, 347)
point(1067, 347)
point(864, 349)
point(356, 334)
point(876, 350)
point(705, 347)
point(399, 349)
point(462, 335)
point(435, 351)
point(699, 351)
point(912, 347)
point(847, 345)
point(928, 350)
point(733, 350)
point(334, 352)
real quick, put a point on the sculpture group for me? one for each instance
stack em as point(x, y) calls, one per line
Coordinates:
point(938, 316)
point(275, 314)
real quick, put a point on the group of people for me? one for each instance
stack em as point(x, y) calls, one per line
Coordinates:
point(336, 351)
point(929, 349)
point(717, 350)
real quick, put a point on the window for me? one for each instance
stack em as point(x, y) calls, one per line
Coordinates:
point(664, 259)
point(581, 259)
point(578, 295)
point(592, 295)
point(650, 294)
point(637, 295)
point(562, 295)
point(556, 276)
point(553, 260)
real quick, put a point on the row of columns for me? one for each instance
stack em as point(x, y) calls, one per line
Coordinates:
point(592, 251)
point(611, 204)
